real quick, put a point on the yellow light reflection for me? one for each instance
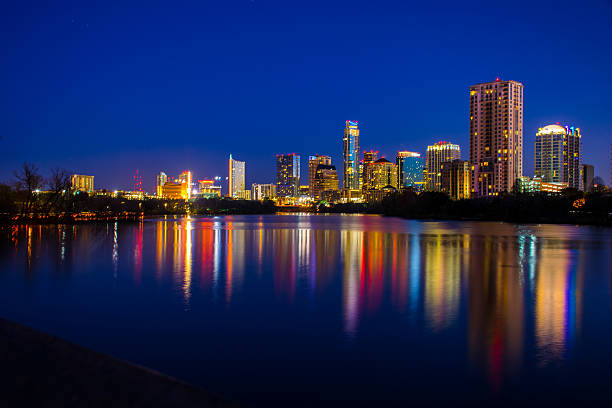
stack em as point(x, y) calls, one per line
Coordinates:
point(188, 263)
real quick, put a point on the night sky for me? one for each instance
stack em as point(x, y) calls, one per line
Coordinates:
point(103, 88)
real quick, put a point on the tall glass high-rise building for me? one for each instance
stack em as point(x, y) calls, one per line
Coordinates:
point(436, 155)
point(236, 177)
point(496, 136)
point(558, 155)
point(350, 155)
point(410, 170)
point(287, 175)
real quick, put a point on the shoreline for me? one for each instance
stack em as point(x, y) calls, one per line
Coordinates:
point(105, 219)
point(40, 369)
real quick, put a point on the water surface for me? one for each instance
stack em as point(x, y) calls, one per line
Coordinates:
point(289, 310)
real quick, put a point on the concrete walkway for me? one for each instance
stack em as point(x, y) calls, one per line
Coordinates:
point(37, 369)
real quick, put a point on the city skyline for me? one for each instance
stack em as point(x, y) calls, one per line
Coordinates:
point(430, 178)
point(315, 203)
point(71, 84)
point(223, 179)
point(289, 181)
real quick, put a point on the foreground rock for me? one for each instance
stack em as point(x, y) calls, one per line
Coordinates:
point(37, 369)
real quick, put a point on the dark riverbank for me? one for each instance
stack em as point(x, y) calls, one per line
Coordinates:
point(573, 207)
point(85, 209)
point(45, 371)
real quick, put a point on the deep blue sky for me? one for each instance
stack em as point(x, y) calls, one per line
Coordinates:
point(105, 88)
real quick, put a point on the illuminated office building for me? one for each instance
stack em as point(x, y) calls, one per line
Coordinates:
point(243, 195)
point(186, 178)
point(370, 157)
point(236, 177)
point(380, 179)
point(409, 170)
point(303, 191)
point(161, 180)
point(364, 169)
point(496, 136)
point(79, 182)
point(313, 162)
point(326, 183)
point(436, 155)
point(537, 185)
point(263, 191)
point(287, 175)
point(208, 189)
point(380, 174)
point(456, 179)
point(175, 190)
point(350, 155)
point(558, 155)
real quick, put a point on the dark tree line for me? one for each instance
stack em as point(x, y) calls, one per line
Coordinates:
point(572, 206)
point(32, 193)
point(34, 197)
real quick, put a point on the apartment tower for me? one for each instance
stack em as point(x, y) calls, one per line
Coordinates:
point(436, 155)
point(287, 175)
point(496, 136)
point(558, 155)
point(236, 177)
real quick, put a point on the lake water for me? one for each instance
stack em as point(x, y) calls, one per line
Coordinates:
point(290, 310)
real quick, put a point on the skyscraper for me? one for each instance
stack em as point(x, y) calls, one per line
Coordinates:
point(370, 157)
point(350, 155)
point(456, 179)
point(380, 174)
point(558, 155)
point(326, 183)
point(496, 136)
point(409, 170)
point(186, 179)
point(380, 179)
point(364, 172)
point(313, 162)
point(236, 177)
point(161, 180)
point(287, 175)
point(436, 155)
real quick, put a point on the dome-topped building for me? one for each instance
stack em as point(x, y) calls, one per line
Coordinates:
point(552, 129)
point(558, 155)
